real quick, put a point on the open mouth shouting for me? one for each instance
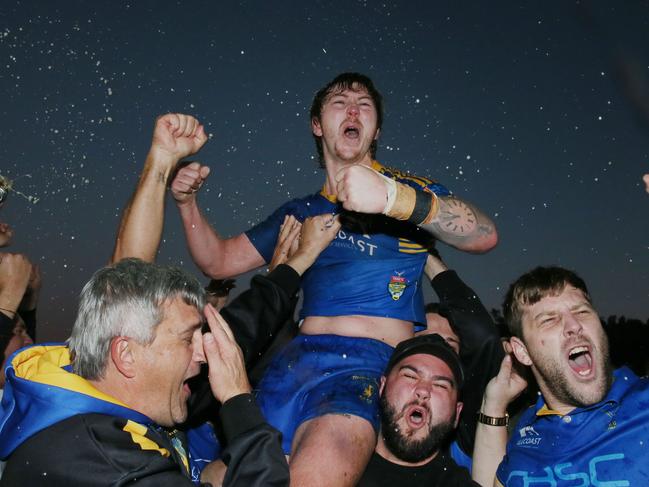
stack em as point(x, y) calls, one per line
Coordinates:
point(186, 388)
point(190, 383)
point(351, 131)
point(416, 417)
point(581, 361)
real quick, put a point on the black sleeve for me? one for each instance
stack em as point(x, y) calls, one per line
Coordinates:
point(480, 348)
point(6, 332)
point(94, 449)
point(254, 454)
point(29, 317)
point(257, 314)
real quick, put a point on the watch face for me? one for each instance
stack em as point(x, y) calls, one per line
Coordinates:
point(463, 219)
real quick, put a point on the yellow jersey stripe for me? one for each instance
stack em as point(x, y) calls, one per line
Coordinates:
point(138, 435)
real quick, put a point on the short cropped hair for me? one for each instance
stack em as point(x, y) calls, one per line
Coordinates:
point(533, 286)
point(125, 299)
point(346, 81)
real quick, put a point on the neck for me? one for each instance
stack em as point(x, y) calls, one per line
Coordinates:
point(110, 388)
point(122, 391)
point(386, 453)
point(551, 401)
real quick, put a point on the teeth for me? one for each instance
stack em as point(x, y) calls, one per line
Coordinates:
point(578, 350)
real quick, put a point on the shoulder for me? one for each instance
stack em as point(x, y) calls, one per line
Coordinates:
point(630, 391)
point(415, 181)
point(302, 207)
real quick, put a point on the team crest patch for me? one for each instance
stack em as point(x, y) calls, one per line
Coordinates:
point(397, 286)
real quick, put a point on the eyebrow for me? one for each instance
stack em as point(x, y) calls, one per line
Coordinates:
point(581, 304)
point(190, 329)
point(542, 314)
point(365, 96)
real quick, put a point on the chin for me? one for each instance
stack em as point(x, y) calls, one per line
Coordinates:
point(593, 391)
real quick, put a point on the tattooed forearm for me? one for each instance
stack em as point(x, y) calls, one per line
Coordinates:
point(463, 225)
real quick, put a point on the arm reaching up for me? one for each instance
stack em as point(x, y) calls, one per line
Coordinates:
point(216, 256)
point(491, 439)
point(15, 272)
point(175, 136)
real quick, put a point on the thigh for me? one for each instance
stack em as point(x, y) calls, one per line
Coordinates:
point(321, 375)
point(331, 450)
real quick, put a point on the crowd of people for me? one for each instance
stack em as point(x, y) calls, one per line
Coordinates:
point(164, 382)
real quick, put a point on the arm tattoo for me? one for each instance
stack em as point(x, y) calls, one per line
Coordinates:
point(162, 178)
point(456, 217)
point(459, 222)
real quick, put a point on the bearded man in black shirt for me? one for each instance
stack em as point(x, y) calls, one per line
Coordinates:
point(420, 409)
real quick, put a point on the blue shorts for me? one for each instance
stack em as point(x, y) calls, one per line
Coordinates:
point(322, 374)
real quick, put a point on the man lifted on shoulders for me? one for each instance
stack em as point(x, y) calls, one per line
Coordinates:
point(361, 296)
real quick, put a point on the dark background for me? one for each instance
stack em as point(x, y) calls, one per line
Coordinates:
point(536, 111)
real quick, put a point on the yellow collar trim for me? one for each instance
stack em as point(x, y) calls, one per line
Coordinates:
point(43, 364)
point(546, 411)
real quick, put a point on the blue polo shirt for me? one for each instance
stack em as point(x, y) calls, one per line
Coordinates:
point(606, 444)
point(372, 269)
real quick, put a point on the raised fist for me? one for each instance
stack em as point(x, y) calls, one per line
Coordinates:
point(176, 136)
point(188, 181)
point(361, 189)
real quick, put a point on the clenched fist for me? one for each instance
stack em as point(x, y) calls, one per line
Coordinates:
point(361, 189)
point(176, 136)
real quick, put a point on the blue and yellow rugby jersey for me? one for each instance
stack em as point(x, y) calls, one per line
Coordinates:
point(374, 265)
point(606, 444)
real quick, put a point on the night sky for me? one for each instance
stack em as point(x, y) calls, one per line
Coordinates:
point(536, 111)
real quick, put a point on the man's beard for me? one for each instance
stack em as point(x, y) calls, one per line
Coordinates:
point(406, 449)
point(578, 395)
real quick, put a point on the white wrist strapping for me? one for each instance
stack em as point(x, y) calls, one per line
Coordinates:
point(392, 193)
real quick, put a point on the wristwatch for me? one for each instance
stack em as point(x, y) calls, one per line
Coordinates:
point(491, 421)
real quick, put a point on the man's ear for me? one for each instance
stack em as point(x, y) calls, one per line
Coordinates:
point(458, 410)
point(121, 354)
point(316, 128)
point(520, 351)
point(376, 135)
point(381, 385)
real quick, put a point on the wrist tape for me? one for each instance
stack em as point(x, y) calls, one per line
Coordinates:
point(406, 203)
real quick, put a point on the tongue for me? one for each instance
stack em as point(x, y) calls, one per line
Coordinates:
point(352, 134)
point(580, 363)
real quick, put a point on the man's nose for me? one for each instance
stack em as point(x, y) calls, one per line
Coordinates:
point(422, 390)
point(352, 108)
point(198, 354)
point(571, 325)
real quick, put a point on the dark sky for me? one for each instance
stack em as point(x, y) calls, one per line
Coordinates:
point(536, 111)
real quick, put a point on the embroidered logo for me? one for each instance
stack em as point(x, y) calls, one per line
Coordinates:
point(397, 286)
point(528, 436)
